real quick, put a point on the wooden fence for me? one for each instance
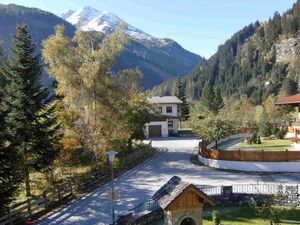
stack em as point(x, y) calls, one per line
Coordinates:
point(242, 155)
point(32, 208)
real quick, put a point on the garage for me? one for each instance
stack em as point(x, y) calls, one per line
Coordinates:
point(154, 131)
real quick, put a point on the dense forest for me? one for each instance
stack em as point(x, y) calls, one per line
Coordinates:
point(259, 60)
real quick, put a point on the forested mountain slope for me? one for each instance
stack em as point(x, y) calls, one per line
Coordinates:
point(258, 60)
point(41, 24)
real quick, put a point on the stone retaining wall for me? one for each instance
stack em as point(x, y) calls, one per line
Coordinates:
point(290, 197)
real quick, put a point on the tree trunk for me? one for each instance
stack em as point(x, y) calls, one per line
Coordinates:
point(130, 145)
point(27, 182)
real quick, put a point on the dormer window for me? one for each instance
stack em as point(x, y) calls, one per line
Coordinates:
point(169, 109)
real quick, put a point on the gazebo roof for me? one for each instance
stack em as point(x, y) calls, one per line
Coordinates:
point(291, 100)
point(173, 189)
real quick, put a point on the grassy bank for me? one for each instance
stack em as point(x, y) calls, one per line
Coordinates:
point(267, 145)
point(244, 215)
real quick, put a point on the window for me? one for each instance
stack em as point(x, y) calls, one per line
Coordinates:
point(170, 123)
point(158, 109)
point(169, 109)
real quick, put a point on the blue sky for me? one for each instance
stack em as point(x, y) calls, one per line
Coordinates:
point(198, 25)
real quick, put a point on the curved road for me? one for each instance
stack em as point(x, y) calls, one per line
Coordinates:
point(142, 181)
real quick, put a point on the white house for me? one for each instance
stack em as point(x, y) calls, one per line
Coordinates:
point(164, 117)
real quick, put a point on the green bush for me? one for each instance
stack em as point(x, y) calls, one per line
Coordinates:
point(280, 134)
point(216, 218)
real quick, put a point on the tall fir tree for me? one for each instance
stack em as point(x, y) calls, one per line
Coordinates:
point(9, 171)
point(181, 94)
point(289, 87)
point(219, 103)
point(264, 125)
point(208, 96)
point(32, 128)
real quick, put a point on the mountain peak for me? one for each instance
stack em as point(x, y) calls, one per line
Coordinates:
point(64, 15)
point(91, 19)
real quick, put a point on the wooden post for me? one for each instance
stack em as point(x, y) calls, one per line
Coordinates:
point(70, 186)
point(9, 216)
point(29, 208)
point(287, 154)
point(263, 155)
point(58, 193)
point(45, 200)
point(240, 155)
point(77, 183)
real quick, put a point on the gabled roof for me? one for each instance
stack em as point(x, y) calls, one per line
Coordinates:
point(165, 100)
point(294, 99)
point(173, 189)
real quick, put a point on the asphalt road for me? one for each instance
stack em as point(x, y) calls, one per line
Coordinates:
point(142, 181)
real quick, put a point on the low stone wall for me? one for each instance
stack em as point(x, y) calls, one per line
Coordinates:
point(265, 164)
point(291, 198)
point(251, 166)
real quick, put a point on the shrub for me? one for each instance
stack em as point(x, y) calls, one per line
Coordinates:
point(216, 218)
point(280, 134)
point(258, 140)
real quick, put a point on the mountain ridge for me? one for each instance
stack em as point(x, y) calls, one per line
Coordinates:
point(146, 51)
point(258, 60)
point(157, 62)
point(91, 19)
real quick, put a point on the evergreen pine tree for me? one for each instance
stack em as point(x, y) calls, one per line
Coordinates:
point(31, 126)
point(264, 125)
point(208, 96)
point(289, 87)
point(9, 173)
point(181, 94)
point(219, 103)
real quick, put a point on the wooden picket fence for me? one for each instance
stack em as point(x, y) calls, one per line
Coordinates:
point(242, 155)
point(33, 208)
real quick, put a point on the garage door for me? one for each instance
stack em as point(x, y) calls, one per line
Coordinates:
point(155, 131)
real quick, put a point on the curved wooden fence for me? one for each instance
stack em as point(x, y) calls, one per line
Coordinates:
point(242, 155)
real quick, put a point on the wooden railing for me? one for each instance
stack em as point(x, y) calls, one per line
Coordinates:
point(242, 155)
point(35, 207)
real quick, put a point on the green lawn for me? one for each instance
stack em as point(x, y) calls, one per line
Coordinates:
point(244, 215)
point(267, 145)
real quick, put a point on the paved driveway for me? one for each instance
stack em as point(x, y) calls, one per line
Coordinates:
point(142, 181)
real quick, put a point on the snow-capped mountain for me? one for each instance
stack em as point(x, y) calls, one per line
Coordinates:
point(159, 59)
point(90, 19)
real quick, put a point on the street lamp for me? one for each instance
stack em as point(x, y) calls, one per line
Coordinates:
point(111, 158)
